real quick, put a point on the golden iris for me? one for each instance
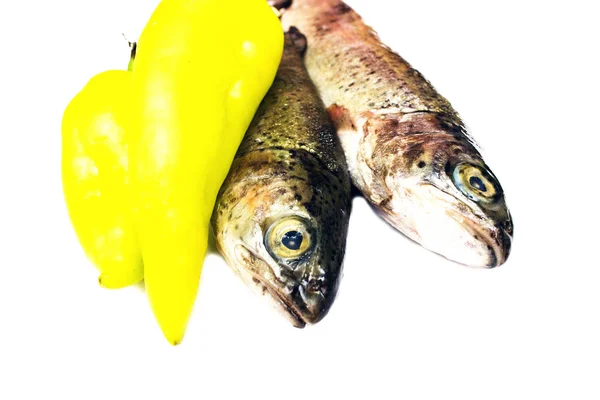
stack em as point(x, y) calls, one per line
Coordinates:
point(288, 238)
point(475, 182)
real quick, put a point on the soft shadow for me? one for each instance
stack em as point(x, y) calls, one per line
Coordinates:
point(354, 192)
point(357, 196)
point(141, 286)
point(212, 244)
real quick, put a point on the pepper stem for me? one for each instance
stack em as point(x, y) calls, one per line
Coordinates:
point(133, 47)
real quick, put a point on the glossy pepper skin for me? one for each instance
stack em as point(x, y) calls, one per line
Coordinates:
point(95, 177)
point(201, 70)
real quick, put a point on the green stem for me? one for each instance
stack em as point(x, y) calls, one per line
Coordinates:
point(133, 46)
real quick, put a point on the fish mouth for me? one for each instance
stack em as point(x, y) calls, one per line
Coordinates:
point(491, 238)
point(496, 239)
point(285, 306)
point(251, 275)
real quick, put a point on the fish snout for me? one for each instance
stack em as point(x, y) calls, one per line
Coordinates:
point(500, 243)
point(313, 292)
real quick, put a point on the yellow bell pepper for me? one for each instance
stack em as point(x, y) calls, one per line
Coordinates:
point(202, 68)
point(95, 177)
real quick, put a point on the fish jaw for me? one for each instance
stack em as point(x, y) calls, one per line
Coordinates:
point(300, 301)
point(433, 213)
point(258, 282)
point(242, 255)
point(441, 223)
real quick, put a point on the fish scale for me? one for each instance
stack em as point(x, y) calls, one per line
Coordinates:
point(358, 70)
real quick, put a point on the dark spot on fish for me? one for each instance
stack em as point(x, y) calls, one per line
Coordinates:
point(298, 197)
point(279, 4)
point(462, 208)
point(413, 153)
point(341, 8)
point(385, 202)
point(422, 164)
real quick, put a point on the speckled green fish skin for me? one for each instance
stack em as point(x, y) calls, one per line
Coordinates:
point(407, 149)
point(281, 217)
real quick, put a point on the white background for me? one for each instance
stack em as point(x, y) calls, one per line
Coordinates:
point(407, 323)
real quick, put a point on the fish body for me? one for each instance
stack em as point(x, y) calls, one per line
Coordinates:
point(282, 213)
point(407, 149)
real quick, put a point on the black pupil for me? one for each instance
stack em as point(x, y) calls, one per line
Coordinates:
point(477, 183)
point(292, 240)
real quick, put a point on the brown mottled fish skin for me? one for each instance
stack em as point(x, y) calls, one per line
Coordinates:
point(407, 149)
point(289, 176)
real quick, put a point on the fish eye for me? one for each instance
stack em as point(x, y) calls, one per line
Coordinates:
point(476, 183)
point(289, 238)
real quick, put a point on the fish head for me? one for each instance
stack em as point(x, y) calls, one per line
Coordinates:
point(286, 239)
point(444, 196)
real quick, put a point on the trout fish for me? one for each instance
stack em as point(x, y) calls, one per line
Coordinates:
point(281, 217)
point(408, 150)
